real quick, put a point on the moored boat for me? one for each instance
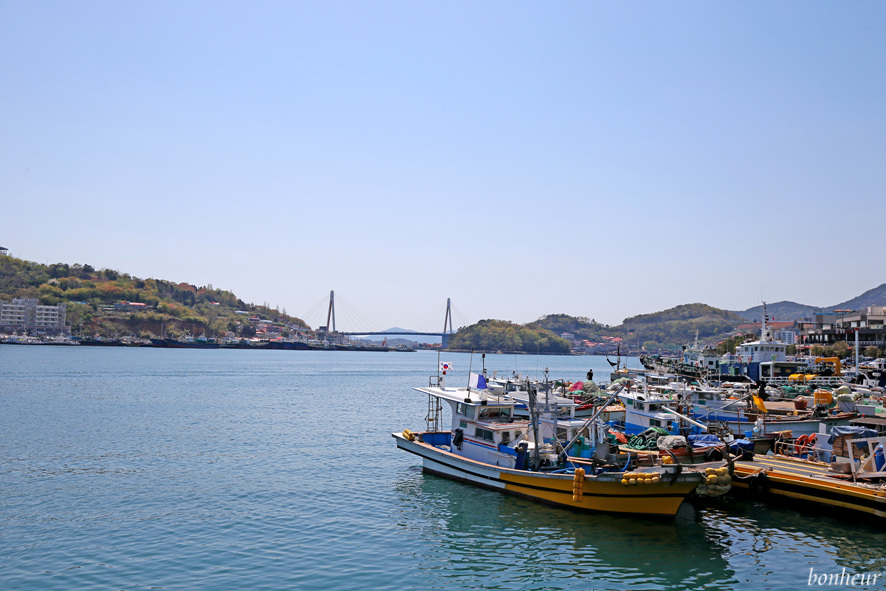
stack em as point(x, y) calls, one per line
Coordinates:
point(487, 446)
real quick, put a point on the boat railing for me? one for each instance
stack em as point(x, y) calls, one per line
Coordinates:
point(817, 381)
point(793, 449)
point(872, 443)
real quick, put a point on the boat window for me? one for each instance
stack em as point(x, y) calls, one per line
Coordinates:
point(464, 409)
point(495, 412)
point(562, 433)
point(654, 407)
point(484, 434)
point(654, 423)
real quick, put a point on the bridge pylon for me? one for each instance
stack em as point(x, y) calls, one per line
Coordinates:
point(331, 314)
point(447, 321)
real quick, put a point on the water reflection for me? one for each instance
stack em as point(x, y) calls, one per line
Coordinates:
point(781, 544)
point(462, 532)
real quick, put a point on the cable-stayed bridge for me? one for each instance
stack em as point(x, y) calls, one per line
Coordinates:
point(444, 335)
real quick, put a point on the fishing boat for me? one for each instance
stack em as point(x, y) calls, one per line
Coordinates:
point(846, 483)
point(487, 446)
point(679, 406)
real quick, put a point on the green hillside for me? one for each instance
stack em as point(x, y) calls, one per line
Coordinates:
point(100, 302)
point(682, 313)
point(672, 328)
point(500, 335)
point(581, 327)
point(665, 330)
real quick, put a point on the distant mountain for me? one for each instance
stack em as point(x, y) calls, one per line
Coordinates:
point(872, 297)
point(679, 325)
point(684, 312)
point(779, 311)
point(794, 311)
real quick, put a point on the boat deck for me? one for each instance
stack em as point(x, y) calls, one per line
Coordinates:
point(785, 465)
point(811, 482)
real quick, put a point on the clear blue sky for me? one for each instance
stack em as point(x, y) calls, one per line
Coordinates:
point(600, 159)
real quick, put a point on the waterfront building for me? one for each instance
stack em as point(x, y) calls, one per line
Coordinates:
point(788, 337)
point(27, 315)
point(841, 325)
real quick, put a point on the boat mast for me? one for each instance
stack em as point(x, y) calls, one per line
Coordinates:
point(764, 332)
point(547, 404)
point(532, 390)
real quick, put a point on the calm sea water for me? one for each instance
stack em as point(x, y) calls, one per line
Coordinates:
point(182, 469)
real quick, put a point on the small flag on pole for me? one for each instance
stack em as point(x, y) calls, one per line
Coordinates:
point(444, 366)
point(478, 381)
point(759, 402)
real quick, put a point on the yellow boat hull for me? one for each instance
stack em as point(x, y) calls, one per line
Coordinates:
point(604, 493)
point(794, 479)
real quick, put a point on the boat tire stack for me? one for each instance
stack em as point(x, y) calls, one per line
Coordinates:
point(717, 482)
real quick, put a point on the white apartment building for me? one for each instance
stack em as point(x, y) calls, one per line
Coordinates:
point(785, 336)
point(27, 315)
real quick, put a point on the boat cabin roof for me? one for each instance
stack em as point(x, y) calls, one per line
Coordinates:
point(487, 398)
point(469, 396)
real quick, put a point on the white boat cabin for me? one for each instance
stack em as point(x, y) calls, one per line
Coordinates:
point(642, 412)
point(762, 351)
point(484, 427)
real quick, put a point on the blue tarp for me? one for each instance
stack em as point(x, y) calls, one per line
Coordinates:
point(856, 432)
point(741, 444)
point(704, 440)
